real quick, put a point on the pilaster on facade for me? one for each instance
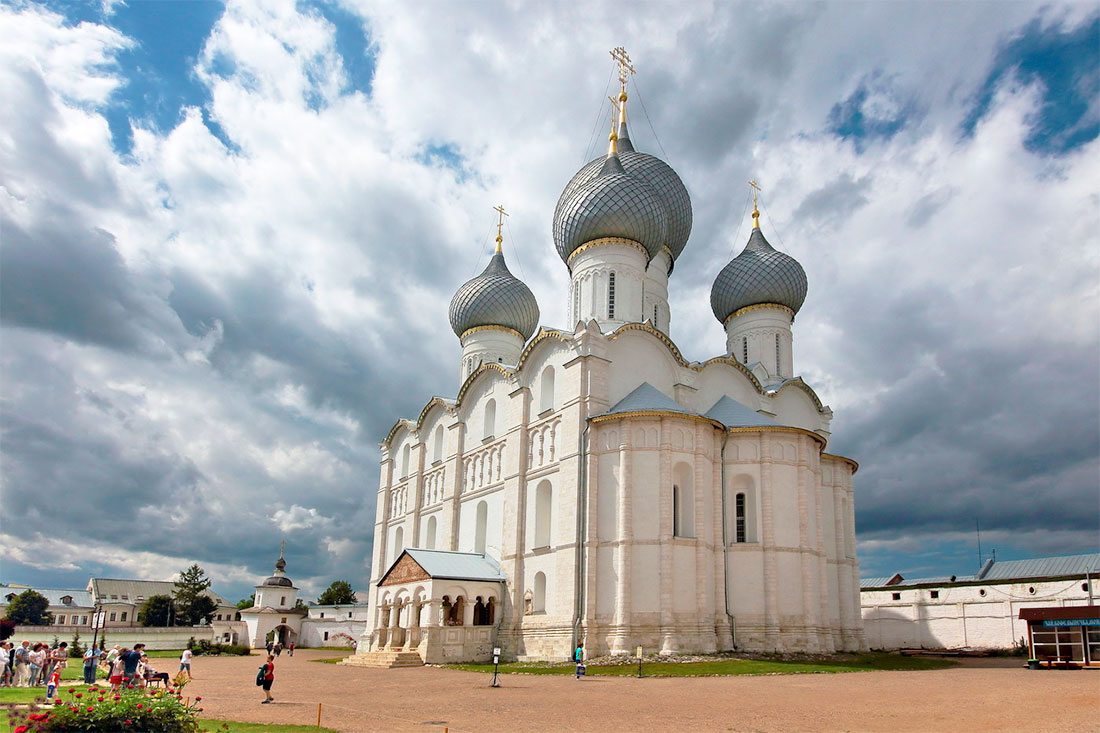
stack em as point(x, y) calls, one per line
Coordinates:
point(620, 643)
point(664, 488)
point(767, 520)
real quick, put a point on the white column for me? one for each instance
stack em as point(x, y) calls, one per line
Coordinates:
point(620, 644)
point(664, 473)
point(771, 569)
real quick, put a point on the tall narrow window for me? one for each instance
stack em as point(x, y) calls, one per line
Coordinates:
point(398, 542)
point(480, 526)
point(611, 295)
point(544, 495)
point(655, 317)
point(744, 349)
point(538, 599)
point(429, 540)
point(438, 448)
point(490, 418)
point(683, 501)
point(676, 510)
point(740, 517)
point(405, 453)
point(546, 390)
point(778, 368)
point(576, 303)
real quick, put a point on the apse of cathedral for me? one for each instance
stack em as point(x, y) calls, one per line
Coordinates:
point(590, 483)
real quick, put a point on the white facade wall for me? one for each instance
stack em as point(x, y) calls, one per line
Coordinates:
point(971, 615)
point(792, 582)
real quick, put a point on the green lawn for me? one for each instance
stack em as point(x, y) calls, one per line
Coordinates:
point(329, 660)
point(236, 727)
point(724, 667)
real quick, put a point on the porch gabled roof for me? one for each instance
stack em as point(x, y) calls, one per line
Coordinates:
point(440, 564)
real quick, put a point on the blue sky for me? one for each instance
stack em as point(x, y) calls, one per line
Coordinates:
point(231, 232)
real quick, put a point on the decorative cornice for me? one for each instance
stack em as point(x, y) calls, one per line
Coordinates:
point(485, 366)
point(543, 335)
point(656, 413)
point(731, 361)
point(758, 306)
point(477, 329)
point(434, 401)
point(842, 459)
point(402, 423)
point(648, 328)
point(797, 382)
point(603, 241)
point(780, 429)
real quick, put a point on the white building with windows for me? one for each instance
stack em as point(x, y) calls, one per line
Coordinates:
point(592, 483)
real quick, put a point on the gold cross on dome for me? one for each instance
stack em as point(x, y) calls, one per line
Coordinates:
point(623, 60)
point(500, 223)
point(755, 211)
point(282, 548)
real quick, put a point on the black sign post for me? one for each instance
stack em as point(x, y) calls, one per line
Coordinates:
point(496, 668)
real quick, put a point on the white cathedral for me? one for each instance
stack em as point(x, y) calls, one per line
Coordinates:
point(594, 485)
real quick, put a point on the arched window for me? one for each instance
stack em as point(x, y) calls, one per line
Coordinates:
point(744, 349)
point(437, 450)
point(398, 542)
point(611, 295)
point(429, 539)
point(479, 613)
point(480, 526)
point(741, 517)
point(538, 600)
point(490, 419)
point(544, 496)
point(546, 390)
point(683, 502)
point(406, 452)
point(739, 513)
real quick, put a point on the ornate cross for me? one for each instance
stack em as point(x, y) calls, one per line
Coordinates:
point(500, 223)
point(755, 211)
point(282, 548)
point(623, 60)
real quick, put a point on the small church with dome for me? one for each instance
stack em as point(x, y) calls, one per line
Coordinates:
point(592, 484)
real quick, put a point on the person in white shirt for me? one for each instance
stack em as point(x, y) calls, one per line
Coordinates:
point(185, 662)
point(5, 655)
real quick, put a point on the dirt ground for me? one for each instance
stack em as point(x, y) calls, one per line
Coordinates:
point(982, 695)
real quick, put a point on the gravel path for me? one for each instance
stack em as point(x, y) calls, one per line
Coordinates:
point(983, 695)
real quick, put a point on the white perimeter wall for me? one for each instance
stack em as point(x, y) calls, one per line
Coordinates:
point(962, 616)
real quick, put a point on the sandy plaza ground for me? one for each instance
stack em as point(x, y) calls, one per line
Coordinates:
point(981, 695)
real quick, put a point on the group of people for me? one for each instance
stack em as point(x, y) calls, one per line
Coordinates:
point(276, 648)
point(31, 665)
point(36, 665)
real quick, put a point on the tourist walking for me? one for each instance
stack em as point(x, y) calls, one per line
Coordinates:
point(5, 659)
point(269, 677)
point(185, 662)
point(290, 650)
point(57, 658)
point(578, 657)
point(91, 661)
point(278, 648)
point(116, 671)
point(131, 660)
point(22, 664)
point(38, 660)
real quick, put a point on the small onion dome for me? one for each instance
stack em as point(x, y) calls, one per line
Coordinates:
point(495, 298)
point(654, 171)
point(760, 274)
point(280, 563)
point(279, 580)
point(613, 203)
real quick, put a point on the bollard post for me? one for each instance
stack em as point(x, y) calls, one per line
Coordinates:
point(318, 715)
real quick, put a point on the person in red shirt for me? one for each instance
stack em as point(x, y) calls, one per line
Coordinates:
point(269, 677)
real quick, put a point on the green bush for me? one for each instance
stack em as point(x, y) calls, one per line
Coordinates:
point(95, 709)
point(213, 649)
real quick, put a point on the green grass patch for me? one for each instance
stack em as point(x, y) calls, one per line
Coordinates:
point(727, 667)
point(234, 726)
point(329, 660)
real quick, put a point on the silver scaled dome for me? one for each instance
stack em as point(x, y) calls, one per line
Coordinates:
point(760, 274)
point(613, 203)
point(654, 171)
point(495, 298)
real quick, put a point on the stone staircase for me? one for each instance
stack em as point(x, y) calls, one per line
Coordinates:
point(385, 659)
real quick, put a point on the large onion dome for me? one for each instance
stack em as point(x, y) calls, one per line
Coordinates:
point(279, 580)
point(654, 171)
point(495, 298)
point(758, 275)
point(613, 203)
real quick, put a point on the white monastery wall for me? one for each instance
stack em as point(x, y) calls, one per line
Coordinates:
point(971, 615)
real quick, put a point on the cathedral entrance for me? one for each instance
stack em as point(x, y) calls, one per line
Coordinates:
point(283, 635)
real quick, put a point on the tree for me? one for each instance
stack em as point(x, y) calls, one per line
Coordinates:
point(299, 603)
point(193, 602)
point(339, 593)
point(29, 609)
point(158, 611)
point(246, 602)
